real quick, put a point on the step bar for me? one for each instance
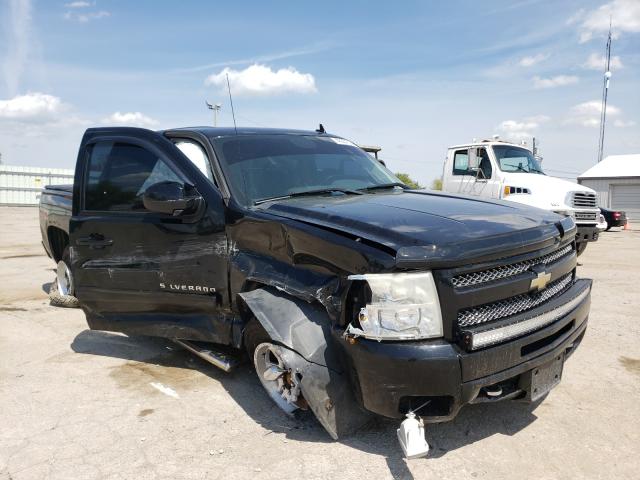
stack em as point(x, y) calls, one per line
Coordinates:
point(221, 360)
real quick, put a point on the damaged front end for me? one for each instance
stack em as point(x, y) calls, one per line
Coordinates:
point(301, 337)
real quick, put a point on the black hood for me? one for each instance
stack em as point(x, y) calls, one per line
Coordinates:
point(422, 225)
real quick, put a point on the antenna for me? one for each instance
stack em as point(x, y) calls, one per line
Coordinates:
point(233, 113)
point(605, 92)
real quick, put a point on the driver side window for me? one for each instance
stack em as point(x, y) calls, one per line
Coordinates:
point(485, 164)
point(461, 163)
point(118, 174)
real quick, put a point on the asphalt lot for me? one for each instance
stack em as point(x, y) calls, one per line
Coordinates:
point(77, 404)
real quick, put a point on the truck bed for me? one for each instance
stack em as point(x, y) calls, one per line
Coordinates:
point(55, 212)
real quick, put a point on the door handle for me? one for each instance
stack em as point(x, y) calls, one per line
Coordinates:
point(95, 240)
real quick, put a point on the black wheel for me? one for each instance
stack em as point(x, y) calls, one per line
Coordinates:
point(607, 229)
point(580, 247)
point(254, 335)
point(62, 289)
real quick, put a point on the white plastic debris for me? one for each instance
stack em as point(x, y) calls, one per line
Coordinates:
point(412, 438)
point(164, 389)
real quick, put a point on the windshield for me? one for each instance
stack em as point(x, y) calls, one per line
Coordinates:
point(259, 167)
point(514, 159)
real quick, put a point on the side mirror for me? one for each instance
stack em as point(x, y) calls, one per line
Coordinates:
point(474, 160)
point(171, 198)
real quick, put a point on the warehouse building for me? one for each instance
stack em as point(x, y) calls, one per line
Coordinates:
point(616, 180)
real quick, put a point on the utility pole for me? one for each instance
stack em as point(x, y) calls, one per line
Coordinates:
point(605, 92)
point(216, 108)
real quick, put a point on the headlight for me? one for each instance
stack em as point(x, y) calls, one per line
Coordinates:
point(403, 306)
point(509, 190)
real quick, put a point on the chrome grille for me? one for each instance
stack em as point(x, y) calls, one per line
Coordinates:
point(584, 200)
point(504, 271)
point(513, 305)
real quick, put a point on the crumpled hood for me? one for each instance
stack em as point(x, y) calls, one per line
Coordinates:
point(433, 222)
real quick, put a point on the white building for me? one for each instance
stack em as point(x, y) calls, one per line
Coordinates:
point(616, 180)
point(22, 185)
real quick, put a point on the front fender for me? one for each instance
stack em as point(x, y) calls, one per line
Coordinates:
point(304, 331)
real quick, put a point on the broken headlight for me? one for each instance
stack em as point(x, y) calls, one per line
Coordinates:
point(402, 306)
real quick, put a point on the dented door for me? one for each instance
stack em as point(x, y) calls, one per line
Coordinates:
point(141, 272)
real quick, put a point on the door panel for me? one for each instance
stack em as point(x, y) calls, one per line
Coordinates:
point(143, 272)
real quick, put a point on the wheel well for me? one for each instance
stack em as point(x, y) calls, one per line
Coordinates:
point(58, 241)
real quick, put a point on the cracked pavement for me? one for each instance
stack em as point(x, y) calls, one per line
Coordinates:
point(77, 404)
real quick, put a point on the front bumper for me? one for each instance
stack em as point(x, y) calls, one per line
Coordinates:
point(621, 222)
point(392, 377)
point(587, 233)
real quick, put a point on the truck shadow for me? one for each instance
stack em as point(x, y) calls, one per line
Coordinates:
point(378, 437)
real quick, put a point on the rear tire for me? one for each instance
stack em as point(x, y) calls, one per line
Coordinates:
point(62, 288)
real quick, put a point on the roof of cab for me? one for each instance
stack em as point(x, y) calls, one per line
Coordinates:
point(484, 143)
point(213, 132)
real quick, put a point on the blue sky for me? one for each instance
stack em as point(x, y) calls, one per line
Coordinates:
point(412, 77)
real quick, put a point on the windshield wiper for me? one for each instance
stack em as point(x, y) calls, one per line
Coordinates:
point(383, 186)
point(318, 191)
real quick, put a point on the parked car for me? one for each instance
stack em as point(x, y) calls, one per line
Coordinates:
point(614, 218)
point(602, 223)
point(351, 294)
point(503, 170)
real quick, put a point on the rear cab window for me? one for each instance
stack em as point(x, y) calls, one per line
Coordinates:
point(197, 155)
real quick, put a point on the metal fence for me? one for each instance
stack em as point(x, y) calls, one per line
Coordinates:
point(23, 185)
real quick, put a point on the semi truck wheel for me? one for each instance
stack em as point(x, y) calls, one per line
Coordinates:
point(62, 289)
point(580, 247)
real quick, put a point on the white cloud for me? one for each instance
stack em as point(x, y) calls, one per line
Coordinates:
point(532, 60)
point(131, 119)
point(19, 33)
point(32, 107)
point(597, 62)
point(262, 80)
point(622, 123)
point(624, 16)
point(85, 17)
point(552, 82)
point(521, 129)
point(78, 4)
point(587, 114)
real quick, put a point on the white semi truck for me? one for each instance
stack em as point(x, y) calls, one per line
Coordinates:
point(507, 171)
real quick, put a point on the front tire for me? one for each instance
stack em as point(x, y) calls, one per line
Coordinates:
point(279, 380)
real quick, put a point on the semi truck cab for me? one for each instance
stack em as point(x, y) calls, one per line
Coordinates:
point(507, 171)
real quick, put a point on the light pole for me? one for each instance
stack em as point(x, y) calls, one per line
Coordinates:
point(216, 108)
point(605, 93)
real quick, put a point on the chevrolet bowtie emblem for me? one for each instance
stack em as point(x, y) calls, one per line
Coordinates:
point(540, 282)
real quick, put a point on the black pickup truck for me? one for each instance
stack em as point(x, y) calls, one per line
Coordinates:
point(351, 293)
